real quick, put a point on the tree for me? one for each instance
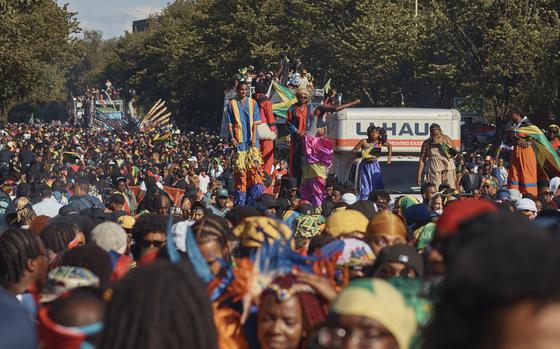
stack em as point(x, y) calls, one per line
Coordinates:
point(35, 51)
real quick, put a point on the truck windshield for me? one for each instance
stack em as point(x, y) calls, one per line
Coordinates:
point(400, 176)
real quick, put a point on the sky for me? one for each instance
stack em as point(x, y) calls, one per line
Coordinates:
point(112, 17)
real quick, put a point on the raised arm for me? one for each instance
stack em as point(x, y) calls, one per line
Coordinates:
point(334, 109)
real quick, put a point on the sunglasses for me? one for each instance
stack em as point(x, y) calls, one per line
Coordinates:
point(154, 243)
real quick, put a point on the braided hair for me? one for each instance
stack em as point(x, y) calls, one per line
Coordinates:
point(16, 248)
point(159, 305)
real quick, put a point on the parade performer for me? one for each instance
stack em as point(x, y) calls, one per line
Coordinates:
point(436, 158)
point(533, 156)
point(243, 117)
point(310, 151)
point(369, 150)
point(267, 118)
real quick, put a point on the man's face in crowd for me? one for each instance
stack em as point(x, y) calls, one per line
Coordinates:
point(302, 98)
point(529, 214)
point(152, 242)
point(242, 90)
point(336, 196)
point(221, 202)
point(121, 186)
point(429, 192)
point(395, 269)
point(197, 215)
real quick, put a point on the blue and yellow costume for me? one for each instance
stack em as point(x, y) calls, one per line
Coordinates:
point(242, 114)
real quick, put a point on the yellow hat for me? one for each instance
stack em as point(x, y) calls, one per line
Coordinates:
point(376, 299)
point(346, 222)
point(126, 222)
point(386, 224)
point(253, 230)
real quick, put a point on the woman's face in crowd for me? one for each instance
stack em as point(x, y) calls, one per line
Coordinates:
point(436, 133)
point(186, 206)
point(212, 253)
point(377, 242)
point(280, 324)
point(355, 332)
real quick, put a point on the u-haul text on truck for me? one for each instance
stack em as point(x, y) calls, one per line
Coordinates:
point(406, 129)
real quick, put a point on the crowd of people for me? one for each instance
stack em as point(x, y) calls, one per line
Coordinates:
point(113, 239)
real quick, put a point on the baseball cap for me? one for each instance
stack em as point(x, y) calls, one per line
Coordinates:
point(222, 193)
point(525, 205)
point(401, 253)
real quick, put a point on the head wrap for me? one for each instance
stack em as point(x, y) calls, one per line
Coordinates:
point(254, 230)
point(376, 299)
point(308, 226)
point(346, 222)
point(353, 252)
point(66, 278)
point(386, 224)
point(302, 91)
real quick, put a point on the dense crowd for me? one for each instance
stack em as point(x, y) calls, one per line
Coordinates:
point(114, 239)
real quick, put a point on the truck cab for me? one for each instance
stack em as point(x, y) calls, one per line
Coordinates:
point(407, 128)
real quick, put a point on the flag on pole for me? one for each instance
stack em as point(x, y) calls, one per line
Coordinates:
point(281, 97)
point(327, 87)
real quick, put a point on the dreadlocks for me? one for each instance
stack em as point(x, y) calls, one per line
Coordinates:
point(16, 248)
point(57, 235)
point(159, 305)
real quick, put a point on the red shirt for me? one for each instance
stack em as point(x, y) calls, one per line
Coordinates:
point(265, 108)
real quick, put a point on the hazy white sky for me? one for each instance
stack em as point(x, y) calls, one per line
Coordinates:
point(112, 17)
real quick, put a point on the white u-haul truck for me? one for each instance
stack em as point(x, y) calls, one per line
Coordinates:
point(406, 129)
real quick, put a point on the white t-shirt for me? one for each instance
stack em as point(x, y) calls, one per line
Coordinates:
point(204, 181)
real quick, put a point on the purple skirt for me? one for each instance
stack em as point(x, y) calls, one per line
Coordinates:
point(370, 178)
